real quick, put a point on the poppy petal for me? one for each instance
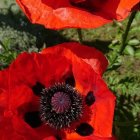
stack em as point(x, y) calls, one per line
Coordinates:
point(75, 136)
point(24, 62)
point(16, 129)
point(125, 7)
point(55, 72)
point(19, 96)
point(89, 54)
point(4, 76)
point(62, 14)
point(103, 109)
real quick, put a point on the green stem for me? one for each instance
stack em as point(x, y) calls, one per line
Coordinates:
point(124, 37)
point(79, 31)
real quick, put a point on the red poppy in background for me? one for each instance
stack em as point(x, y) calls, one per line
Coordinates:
point(57, 94)
point(76, 13)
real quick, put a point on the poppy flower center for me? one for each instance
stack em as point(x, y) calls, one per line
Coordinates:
point(60, 105)
point(60, 102)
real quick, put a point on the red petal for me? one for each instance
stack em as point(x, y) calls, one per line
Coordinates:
point(19, 96)
point(136, 7)
point(3, 99)
point(61, 14)
point(4, 76)
point(103, 109)
point(90, 55)
point(22, 70)
point(50, 138)
point(74, 136)
point(15, 129)
point(125, 7)
point(12, 99)
point(50, 132)
point(87, 80)
point(51, 68)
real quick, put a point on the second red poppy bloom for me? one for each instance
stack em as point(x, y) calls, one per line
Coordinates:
point(75, 103)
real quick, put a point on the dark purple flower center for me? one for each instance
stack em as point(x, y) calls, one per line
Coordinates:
point(60, 102)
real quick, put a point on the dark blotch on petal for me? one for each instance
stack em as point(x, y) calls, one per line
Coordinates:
point(70, 80)
point(33, 119)
point(90, 99)
point(84, 129)
point(37, 89)
point(58, 138)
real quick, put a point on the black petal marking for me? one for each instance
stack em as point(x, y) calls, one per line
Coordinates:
point(70, 81)
point(37, 88)
point(84, 129)
point(33, 119)
point(90, 99)
point(58, 138)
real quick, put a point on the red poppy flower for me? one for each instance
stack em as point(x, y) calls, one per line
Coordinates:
point(76, 13)
point(57, 94)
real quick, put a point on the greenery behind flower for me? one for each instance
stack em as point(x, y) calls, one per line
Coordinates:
point(17, 34)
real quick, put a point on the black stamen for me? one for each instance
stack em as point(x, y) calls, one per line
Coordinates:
point(84, 129)
point(37, 88)
point(33, 119)
point(90, 99)
point(70, 81)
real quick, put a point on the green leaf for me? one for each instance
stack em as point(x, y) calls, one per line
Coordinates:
point(129, 50)
point(133, 42)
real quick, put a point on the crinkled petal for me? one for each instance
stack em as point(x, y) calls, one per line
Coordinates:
point(90, 55)
point(62, 14)
point(51, 68)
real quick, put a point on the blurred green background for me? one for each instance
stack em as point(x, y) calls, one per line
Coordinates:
point(17, 34)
